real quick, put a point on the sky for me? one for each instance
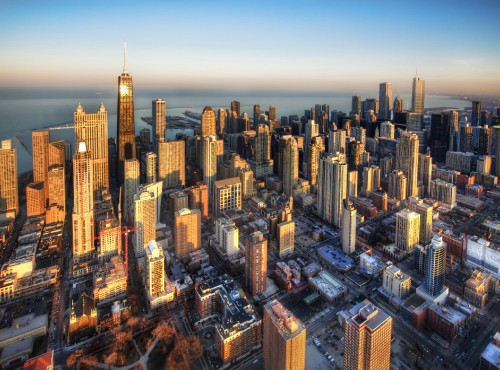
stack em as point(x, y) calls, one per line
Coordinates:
point(255, 45)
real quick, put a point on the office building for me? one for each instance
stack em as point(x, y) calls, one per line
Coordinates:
point(272, 113)
point(187, 231)
point(35, 199)
point(387, 129)
point(348, 227)
point(286, 238)
point(172, 163)
point(92, 129)
point(367, 338)
point(407, 230)
point(311, 131)
point(40, 141)
point(256, 114)
point(151, 167)
point(159, 110)
point(246, 179)
point(332, 188)
point(454, 130)
point(337, 142)
point(355, 150)
point(227, 236)
point(440, 136)
point(9, 194)
point(57, 186)
point(110, 238)
point(221, 122)
point(256, 263)
point(315, 151)
point(466, 138)
point(125, 121)
point(485, 138)
point(407, 161)
point(418, 95)
point(132, 180)
point(227, 195)
point(158, 287)
point(83, 207)
point(290, 163)
point(475, 115)
point(425, 171)
point(262, 144)
point(352, 183)
point(399, 105)
point(144, 221)
point(356, 105)
point(371, 179)
point(145, 139)
point(198, 198)
point(396, 282)
point(57, 153)
point(208, 122)
point(235, 107)
point(385, 99)
point(284, 339)
point(397, 185)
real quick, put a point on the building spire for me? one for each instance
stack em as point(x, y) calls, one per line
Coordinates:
point(124, 57)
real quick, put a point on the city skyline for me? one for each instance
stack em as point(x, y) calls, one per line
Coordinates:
point(200, 53)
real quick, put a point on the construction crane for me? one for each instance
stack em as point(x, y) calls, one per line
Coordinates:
point(125, 231)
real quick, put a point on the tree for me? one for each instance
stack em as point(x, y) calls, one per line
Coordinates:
point(74, 358)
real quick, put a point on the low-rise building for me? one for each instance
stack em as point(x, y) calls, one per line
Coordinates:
point(329, 288)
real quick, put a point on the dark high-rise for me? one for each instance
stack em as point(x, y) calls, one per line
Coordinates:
point(466, 139)
point(235, 107)
point(435, 265)
point(256, 115)
point(439, 140)
point(475, 114)
point(125, 120)
point(356, 105)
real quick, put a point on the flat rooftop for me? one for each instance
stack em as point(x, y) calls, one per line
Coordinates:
point(335, 258)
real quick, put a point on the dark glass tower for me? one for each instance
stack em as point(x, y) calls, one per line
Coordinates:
point(435, 265)
point(125, 120)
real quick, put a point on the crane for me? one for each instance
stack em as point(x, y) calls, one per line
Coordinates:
point(125, 231)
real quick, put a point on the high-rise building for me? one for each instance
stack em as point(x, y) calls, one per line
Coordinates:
point(497, 162)
point(348, 227)
point(435, 265)
point(151, 167)
point(367, 338)
point(92, 129)
point(145, 139)
point(227, 235)
point(312, 130)
point(397, 185)
point(371, 179)
point(272, 113)
point(262, 143)
point(355, 150)
point(57, 155)
point(444, 192)
point(284, 339)
point(425, 171)
point(387, 129)
point(159, 109)
point(466, 139)
point(315, 152)
point(337, 142)
point(187, 231)
point(396, 282)
point(399, 106)
point(155, 274)
point(256, 263)
point(40, 142)
point(407, 160)
point(156, 190)
point(332, 188)
point(407, 230)
point(221, 122)
point(454, 130)
point(290, 163)
point(246, 179)
point(208, 122)
point(57, 186)
point(235, 107)
point(356, 104)
point(132, 180)
point(110, 238)
point(475, 115)
point(9, 195)
point(418, 95)
point(485, 137)
point(352, 183)
point(125, 121)
point(256, 114)
point(286, 238)
point(209, 162)
point(227, 195)
point(172, 163)
point(35, 199)
point(198, 198)
point(439, 139)
point(83, 207)
point(385, 99)
point(144, 221)
point(425, 212)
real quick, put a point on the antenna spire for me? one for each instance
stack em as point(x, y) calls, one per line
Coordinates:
point(124, 57)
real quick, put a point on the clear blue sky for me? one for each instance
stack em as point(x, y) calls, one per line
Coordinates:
point(300, 45)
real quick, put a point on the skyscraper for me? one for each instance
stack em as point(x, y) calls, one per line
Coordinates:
point(262, 144)
point(256, 114)
point(144, 220)
point(418, 95)
point(284, 339)
point(475, 115)
point(398, 104)
point(209, 162)
point(316, 148)
point(466, 139)
point(387, 129)
point(92, 129)
point(172, 163)
point(159, 109)
point(407, 230)
point(208, 122)
point(312, 130)
point(425, 171)
point(337, 142)
point(198, 198)
point(83, 207)
point(57, 186)
point(290, 155)
point(151, 167)
point(371, 179)
point(356, 105)
point(397, 185)
point(272, 113)
point(235, 107)
point(425, 212)
point(125, 120)
point(367, 334)
point(348, 226)
point(227, 195)
point(440, 134)
point(35, 199)
point(332, 188)
point(286, 238)
point(355, 150)
point(221, 121)
point(256, 263)
point(155, 275)
point(57, 155)
point(132, 180)
point(40, 142)
point(9, 195)
point(385, 99)
point(435, 265)
point(187, 231)
point(407, 160)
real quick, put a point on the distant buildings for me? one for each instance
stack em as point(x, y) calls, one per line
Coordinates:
point(290, 163)
point(385, 99)
point(284, 341)
point(9, 194)
point(418, 95)
point(159, 109)
point(39, 143)
point(172, 164)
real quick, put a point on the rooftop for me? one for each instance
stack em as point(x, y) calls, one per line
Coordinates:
point(335, 258)
point(328, 284)
point(287, 324)
point(449, 314)
point(492, 354)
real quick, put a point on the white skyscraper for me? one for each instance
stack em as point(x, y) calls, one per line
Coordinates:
point(332, 188)
point(348, 227)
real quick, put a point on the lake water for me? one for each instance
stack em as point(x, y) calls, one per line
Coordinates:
point(22, 111)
